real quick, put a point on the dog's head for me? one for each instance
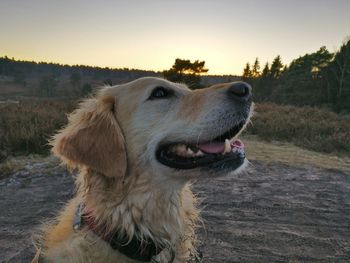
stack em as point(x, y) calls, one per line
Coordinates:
point(157, 126)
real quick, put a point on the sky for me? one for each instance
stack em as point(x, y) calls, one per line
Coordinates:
point(151, 34)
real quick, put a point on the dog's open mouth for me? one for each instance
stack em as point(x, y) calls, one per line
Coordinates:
point(224, 150)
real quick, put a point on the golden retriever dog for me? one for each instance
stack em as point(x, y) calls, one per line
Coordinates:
point(137, 147)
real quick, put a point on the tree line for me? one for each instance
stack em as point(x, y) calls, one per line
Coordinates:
point(53, 79)
point(321, 78)
point(25, 69)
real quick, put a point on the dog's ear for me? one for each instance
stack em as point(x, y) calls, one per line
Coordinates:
point(93, 138)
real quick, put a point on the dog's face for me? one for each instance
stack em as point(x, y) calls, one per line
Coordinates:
point(162, 127)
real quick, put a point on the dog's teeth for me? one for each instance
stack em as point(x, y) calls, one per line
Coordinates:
point(189, 151)
point(199, 153)
point(180, 149)
point(227, 146)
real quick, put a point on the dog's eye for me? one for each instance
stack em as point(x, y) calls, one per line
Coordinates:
point(159, 93)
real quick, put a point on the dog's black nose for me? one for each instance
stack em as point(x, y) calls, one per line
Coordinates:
point(240, 90)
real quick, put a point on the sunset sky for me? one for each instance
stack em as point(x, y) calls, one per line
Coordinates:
point(151, 34)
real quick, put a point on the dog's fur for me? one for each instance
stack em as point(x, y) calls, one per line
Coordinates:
point(112, 138)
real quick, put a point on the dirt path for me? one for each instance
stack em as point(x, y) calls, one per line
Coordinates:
point(274, 213)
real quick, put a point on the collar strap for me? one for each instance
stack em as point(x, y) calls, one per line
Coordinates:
point(135, 249)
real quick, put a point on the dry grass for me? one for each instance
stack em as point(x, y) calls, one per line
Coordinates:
point(26, 127)
point(271, 152)
point(307, 127)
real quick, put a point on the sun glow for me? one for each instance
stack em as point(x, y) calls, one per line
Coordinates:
point(152, 34)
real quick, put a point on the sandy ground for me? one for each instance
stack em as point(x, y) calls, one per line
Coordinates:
point(273, 213)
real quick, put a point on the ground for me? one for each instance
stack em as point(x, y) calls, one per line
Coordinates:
point(275, 212)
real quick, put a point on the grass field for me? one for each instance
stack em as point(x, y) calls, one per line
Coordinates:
point(26, 127)
point(287, 153)
point(310, 128)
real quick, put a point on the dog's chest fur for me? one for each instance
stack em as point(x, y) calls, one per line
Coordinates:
point(168, 218)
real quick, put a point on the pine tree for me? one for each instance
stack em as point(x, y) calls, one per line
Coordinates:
point(247, 73)
point(256, 69)
point(266, 71)
point(276, 67)
point(185, 71)
point(340, 78)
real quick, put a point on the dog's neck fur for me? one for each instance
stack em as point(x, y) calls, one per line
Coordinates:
point(144, 212)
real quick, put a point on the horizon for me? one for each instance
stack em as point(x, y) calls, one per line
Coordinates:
point(101, 67)
point(150, 36)
point(72, 65)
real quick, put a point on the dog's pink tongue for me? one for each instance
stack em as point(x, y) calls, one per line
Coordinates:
point(219, 147)
point(215, 147)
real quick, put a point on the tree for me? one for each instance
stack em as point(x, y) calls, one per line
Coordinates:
point(266, 70)
point(247, 73)
point(276, 67)
point(19, 78)
point(187, 72)
point(47, 85)
point(303, 82)
point(339, 78)
point(262, 87)
point(256, 69)
point(86, 89)
point(75, 79)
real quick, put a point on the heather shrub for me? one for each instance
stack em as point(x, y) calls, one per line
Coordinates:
point(26, 127)
point(307, 127)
